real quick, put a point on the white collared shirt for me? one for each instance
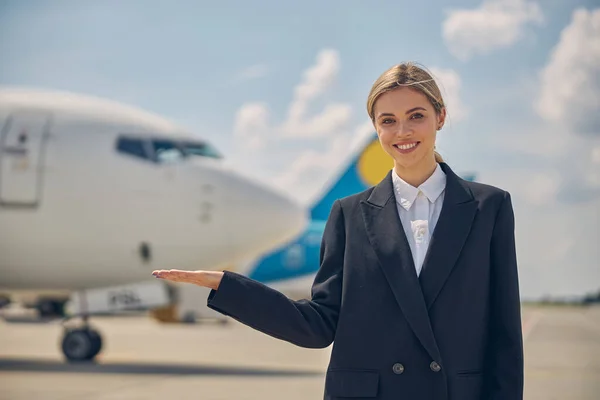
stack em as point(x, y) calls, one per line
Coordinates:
point(419, 210)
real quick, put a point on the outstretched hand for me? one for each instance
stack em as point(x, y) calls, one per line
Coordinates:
point(210, 279)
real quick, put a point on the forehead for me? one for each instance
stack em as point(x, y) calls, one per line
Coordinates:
point(401, 99)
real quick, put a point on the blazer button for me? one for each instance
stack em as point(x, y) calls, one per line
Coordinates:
point(435, 367)
point(398, 368)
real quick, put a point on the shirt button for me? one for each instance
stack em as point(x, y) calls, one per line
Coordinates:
point(398, 368)
point(435, 367)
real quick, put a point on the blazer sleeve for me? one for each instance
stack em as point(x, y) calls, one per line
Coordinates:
point(306, 323)
point(506, 341)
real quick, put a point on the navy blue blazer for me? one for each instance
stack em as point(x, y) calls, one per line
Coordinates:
point(453, 333)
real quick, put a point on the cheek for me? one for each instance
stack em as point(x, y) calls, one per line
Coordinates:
point(426, 134)
point(386, 135)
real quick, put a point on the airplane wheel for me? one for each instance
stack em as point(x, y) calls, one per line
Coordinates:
point(96, 342)
point(82, 344)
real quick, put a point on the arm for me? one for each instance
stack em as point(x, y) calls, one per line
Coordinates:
point(505, 357)
point(306, 323)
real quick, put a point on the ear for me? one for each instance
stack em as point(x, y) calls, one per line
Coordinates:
point(441, 118)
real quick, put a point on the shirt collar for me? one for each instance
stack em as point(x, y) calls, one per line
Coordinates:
point(432, 188)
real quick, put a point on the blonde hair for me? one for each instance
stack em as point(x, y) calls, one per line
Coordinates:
point(407, 75)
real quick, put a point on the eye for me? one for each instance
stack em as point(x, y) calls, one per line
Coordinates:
point(417, 116)
point(387, 121)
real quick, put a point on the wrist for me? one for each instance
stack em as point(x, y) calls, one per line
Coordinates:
point(213, 279)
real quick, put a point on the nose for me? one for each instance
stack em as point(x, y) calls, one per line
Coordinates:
point(404, 129)
point(259, 218)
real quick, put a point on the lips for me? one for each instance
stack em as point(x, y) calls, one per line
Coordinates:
point(406, 147)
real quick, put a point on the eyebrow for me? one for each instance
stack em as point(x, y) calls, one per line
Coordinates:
point(408, 112)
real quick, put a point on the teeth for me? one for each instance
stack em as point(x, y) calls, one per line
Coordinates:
point(406, 146)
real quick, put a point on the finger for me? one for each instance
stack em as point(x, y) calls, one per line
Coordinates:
point(164, 274)
point(175, 275)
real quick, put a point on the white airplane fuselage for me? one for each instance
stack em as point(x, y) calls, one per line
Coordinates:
point(78, 209)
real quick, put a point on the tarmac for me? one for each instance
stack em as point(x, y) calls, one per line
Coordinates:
point(145, 359)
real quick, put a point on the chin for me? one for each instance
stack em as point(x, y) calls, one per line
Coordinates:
point(404, 164)
point(407, 161)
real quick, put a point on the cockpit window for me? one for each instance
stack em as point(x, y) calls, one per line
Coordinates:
point(201, 149)
point(132, 146)
point(164, 150)
point(167, 151)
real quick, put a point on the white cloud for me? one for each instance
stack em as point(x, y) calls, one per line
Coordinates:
point(253, 119)
point(495, 24)
point(556, 187)
point(251, 125)
point(449, 82)
point(570, 91)
point(316, 80)
point(569, 102)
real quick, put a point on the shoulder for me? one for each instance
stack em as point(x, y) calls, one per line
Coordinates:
point(352, 201)
point(483, 191)
point(489, 196)
point(484, 194)
point(349, 206)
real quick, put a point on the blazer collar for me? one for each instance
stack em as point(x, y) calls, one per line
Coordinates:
point(416, 295)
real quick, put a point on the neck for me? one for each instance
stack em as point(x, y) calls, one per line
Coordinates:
point(416, 174)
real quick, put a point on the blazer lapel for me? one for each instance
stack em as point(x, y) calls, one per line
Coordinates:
point(387, 237)
point(451, 231)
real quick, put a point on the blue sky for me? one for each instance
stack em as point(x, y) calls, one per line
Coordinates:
point(520, 78)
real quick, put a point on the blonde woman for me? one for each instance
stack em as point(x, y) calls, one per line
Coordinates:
point(418, 286)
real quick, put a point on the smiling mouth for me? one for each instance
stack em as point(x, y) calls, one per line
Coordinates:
point(406, 147)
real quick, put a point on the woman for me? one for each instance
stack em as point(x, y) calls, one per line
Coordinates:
point(411, 314)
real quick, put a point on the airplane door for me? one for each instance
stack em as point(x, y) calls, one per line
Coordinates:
point(22, 141)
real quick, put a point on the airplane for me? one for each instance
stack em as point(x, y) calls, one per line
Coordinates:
point(291, 267)
point(95, 195)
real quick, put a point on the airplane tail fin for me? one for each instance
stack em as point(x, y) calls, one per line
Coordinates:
point(366, 168)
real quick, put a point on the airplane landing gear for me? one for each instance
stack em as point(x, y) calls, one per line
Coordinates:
point(81, 343)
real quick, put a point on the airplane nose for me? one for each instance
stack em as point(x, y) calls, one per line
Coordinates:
point(261, 219)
